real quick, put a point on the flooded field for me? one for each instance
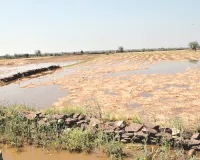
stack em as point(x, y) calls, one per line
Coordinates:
point(123, 84)
point(17, 93)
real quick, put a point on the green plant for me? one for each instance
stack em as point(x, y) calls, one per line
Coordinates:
point(76, 140)
point(114, 149)
point(136, 119)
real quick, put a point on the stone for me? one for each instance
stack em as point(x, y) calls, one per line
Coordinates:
point(119, 132)
point(70, 121)
point(94, 122)
point(120, 124)
point(1, 155)
point(196, 136)
point(45, 119)
point(81, 121)
point(168, 136)
point(124, 141)
point(76, 115)
point(152, 126)
point(149, 130)
point(81, 117)
point(175, 132)
point(186, 135)
point(127, 135)
point(190, 154)
point(61, 121)
point(109, 131)
point(59, 116)
point(166, 130)
point(30, 116)
point(194, 142)
point(133, 127)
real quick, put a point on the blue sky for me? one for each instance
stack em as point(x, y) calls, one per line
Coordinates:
point(74, 25)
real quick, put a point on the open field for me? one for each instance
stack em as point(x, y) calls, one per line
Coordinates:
point(159, 97)
point(23, 61)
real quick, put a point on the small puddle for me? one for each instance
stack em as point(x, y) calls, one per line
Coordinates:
point(32, 153)
point(165, 67)
point(107, 91)
point(134, 105)
point(146, 94)
point(177, 86)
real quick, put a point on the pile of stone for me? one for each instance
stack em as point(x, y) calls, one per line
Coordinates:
point(126, 133)
point(152, 134)
point(28, 73)
point(63, 120)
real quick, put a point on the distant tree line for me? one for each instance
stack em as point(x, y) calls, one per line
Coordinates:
point(120, 49)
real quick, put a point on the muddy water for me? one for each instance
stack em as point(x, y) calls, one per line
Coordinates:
point(165, 67)
point(31, 153)
point(8, 71)
point(37, 97)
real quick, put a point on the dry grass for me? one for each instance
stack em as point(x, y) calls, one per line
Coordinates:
point(89, 82)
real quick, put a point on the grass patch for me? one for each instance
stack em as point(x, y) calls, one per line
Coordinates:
point(65, 110)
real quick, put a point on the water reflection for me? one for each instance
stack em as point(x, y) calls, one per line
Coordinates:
point(165, 67)
point(8, 71)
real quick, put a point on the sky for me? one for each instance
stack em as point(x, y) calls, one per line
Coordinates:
point(74, 25)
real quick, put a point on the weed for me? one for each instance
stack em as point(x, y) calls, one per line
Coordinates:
point(114, 149)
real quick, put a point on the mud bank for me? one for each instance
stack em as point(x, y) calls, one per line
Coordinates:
point(28, 73)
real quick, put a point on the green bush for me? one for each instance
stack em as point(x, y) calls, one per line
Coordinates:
point(114, 149)
point(76, 140)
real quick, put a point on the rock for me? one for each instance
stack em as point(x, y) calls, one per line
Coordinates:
point(109, 131)
point(149, 130)
point(81, 121)
point(45, 119)
point(81, 117)
point(166, 135)
point(196, 136)
point(119, 132)
point(124, 141)
point(61, 121)
point(76, 115)
point(152, 126)
point(190, 154)
point(133, 127)
point(120, 124)
point(1, 155)
point(127, 135)
point(166, 130)
point(186, 135)
point(59, 116)
point(30, 116)
point(94, 122)
point(71, 121)
point(194, 142)
point(175, 132)
point(139, 136)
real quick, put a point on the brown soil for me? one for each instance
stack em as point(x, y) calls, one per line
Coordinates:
point(23, 61)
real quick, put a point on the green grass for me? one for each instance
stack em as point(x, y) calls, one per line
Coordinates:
point(65, 110)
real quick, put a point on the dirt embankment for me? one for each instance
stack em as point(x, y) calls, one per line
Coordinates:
point(23, 61)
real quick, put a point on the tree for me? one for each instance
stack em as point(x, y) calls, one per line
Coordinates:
point(120, 49)
point(38, 53)
point(194, 45)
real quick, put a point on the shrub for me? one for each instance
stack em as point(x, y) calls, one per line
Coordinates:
point(114, 149)
point(76, 140)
